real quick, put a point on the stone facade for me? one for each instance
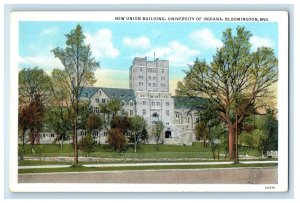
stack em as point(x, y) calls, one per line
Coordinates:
point(148, 96)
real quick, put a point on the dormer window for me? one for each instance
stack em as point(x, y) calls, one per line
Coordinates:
point(86, 94)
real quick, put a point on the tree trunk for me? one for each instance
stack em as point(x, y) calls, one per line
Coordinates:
point(75, 142)
point(231, 142)
point(31, 136)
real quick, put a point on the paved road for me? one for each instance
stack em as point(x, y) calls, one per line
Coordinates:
point(149, 164)
point(268, 175)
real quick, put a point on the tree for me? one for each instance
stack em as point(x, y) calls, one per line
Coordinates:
point(159, 126)
point(33, 82)
point(117, 139)
point(113, 106)
point(58, 119)
point(25, 121)
point(138, 123)
point(79, 67)
point(144, 135)
point(31, 117)
point(235, 82)
point(201, 133)
point(87, 144)
point(215, 136)
point(94, 122)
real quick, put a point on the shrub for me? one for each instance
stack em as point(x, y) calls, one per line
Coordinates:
point(117, 140)
point(87, 144)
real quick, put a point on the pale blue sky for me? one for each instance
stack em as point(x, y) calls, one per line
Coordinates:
point(115, 44)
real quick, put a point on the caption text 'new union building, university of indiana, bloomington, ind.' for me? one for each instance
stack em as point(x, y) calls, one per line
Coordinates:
point(148, 96)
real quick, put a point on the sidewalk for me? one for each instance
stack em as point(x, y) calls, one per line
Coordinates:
point(148, 164)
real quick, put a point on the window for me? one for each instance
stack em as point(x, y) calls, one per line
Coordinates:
point(167, 123)
point(144, 102)
point(167, 112)
point(149, 77)
point(163, 78)
point(95, 133)
point(44, 135)
point(96, 109)
point(123, 112)
point(153, 84)
point(162, 71)
point(131, 103)
point(167, 103)
point(153, 103)
point(99, 92)
point(141, 69)
point(188, 119)
point(154, 78)
point(149, 84)
point(177, 115)
point(140, 83)
point(141, 77)
point(97, 100)
point(86, 94)
point(144, 112)
point(52, 135)
point(131, 112)
point(83, 133)
point(105, 133)
point(123, 103)
point(158, 103)
point(103, 101)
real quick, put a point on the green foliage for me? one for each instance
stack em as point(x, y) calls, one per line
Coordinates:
point(144, 134)
point(137, 124)
point(235, 82)
point(87, 144)
point(159, 126)
point(59, 120)
point(217, 141)
point(113, 106)
point(79, 67)
point(265, 135)
point(33, 82)
point(201, 132)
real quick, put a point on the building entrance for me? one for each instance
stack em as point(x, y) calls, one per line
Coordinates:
point(168, 134)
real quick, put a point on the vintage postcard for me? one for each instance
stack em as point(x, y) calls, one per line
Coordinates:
point(148, 101)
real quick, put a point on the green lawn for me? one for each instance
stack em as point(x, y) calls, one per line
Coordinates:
point(145, 151)
point(83, 169)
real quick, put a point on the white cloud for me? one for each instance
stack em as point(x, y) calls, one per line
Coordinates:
point(43, 62)
point(177, 53)
point(260, 42)
point(142, 42)
point(101, 44)
point(49, 31)
point(112, 78)
point(205, 39)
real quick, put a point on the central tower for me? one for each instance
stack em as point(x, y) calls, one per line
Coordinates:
point(149, 76)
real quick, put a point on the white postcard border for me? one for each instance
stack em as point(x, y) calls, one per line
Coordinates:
point(274, 16)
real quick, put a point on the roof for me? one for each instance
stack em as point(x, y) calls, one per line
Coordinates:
point(117, 93)
point(88, 92)
point(181, 102)
point(120, 94)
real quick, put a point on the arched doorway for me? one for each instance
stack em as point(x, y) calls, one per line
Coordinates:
point(167, 134)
